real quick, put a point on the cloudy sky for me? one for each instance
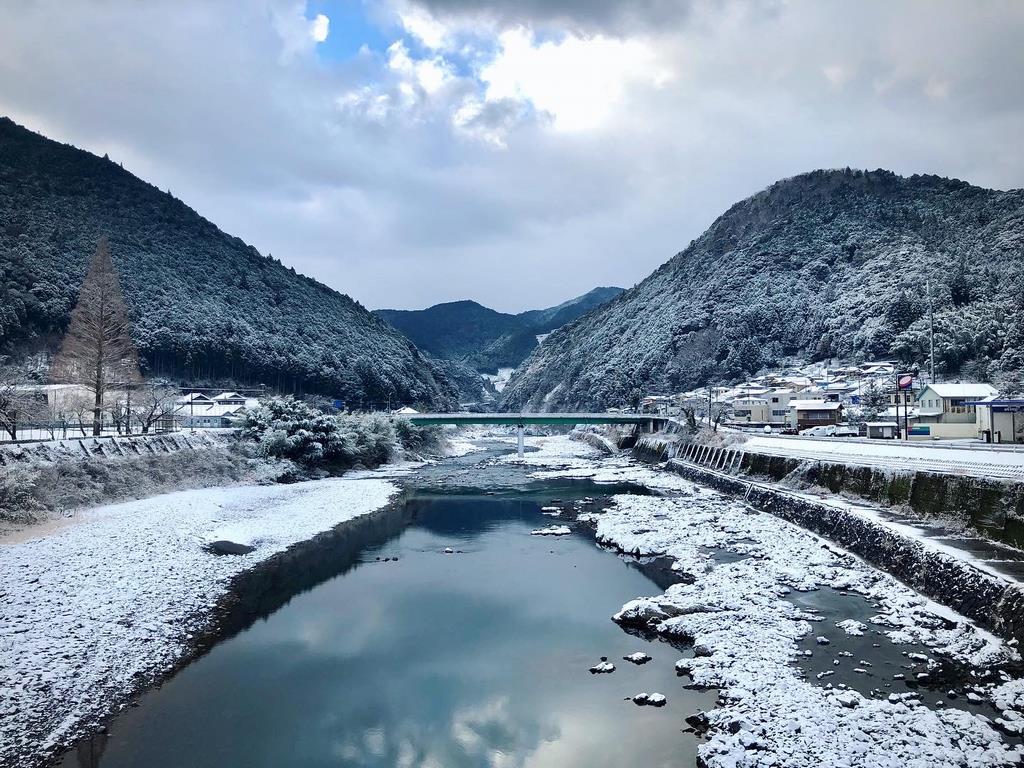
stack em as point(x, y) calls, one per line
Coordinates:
point(517, 152)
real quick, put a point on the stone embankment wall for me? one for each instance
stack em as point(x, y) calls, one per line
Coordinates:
point(994, 508)
point(995, 603)
point(79, 449)
point(38, 479)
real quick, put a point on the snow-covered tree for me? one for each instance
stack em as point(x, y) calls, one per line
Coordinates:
point(98, 351)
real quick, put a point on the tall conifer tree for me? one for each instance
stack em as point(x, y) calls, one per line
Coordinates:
point(98, 352)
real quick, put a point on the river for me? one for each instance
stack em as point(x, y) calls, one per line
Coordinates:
point(380, 647)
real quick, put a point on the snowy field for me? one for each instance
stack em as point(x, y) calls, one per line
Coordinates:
point(746, 631)
point(96, 608)
point(891, 454)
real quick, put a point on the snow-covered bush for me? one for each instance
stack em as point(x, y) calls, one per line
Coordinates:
point(285, 428)
point(18, 504)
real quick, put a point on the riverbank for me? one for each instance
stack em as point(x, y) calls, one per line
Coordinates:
point(745, 618)
point(99, 610)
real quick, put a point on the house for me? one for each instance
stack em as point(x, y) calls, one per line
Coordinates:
point(405, 411)
point(213, 416)
point(778, 405)
point(804, 414)
point(229, 398)
point(196, 399)
point(750, 410)
point(1000, 419)
point(947, 411)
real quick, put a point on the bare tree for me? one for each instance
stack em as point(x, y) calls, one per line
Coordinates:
point(689, 408)
point(718, 411)
point(78, 407)
point(156, 401)
point(98, 351)
point(16, 402)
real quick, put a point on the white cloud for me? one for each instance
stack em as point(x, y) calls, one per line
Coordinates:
point(422, 25)
point(298, 34)
point(837, 75)
point(427, 74)
point(578, 81)
point(320, 27)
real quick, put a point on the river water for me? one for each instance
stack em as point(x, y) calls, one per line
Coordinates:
point(376, 647)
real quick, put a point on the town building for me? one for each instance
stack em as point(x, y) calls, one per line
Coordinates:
point(947, 411)
point(804, 414)
point(778, 405)
point(1000, 419)
point(750, 410)
point(882, 430)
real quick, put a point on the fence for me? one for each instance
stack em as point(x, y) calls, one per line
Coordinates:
point(63, 430)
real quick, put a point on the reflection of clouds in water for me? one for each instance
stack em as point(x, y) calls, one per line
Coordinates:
point(489, 733)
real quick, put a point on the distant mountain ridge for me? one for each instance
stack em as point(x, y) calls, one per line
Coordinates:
point(825, 264)
point(205, 304)
point(484, 338)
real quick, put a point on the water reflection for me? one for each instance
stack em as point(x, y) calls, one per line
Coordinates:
point(433, 659)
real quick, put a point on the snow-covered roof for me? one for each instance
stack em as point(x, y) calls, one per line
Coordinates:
point(228, 396)
point(962, 390)
point(815, 405)
point(213, 410)
point(406, 410)
point(195, 397)
point(892, 424)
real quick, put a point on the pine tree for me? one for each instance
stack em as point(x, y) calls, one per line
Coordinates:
point(873, 401)
point(97, 352)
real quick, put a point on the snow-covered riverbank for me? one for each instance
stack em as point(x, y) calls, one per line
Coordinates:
point(746, 629)
point(97, 609)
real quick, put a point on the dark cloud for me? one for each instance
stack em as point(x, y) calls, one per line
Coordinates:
point(587, 16)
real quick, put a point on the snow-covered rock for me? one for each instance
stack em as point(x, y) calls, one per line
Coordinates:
point(639, 657)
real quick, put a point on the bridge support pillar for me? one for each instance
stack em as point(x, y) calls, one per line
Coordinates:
point(519, 439)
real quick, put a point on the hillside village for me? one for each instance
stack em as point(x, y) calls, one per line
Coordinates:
point(872, 399)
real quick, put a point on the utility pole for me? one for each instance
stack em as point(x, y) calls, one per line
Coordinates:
point(931, 334)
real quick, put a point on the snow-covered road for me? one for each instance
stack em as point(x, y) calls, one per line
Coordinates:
point(95, 609)
point(892, 454)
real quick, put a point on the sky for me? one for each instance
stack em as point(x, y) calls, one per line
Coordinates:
point(519, 152)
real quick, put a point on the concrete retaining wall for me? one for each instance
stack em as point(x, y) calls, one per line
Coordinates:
point(995, 508)
point(993, 602)
point(76, 449)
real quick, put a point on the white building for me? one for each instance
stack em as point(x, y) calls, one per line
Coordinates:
point(749, 410)
point(946, 411)
point(1000, 419)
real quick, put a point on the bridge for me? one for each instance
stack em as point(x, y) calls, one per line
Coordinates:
point(647, 421)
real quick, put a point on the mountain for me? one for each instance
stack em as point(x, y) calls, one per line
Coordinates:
point(205, 305)
point(826, 264)
point(484, 338)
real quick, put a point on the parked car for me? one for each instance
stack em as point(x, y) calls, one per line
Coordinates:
point(825, 430)
point(846, 430)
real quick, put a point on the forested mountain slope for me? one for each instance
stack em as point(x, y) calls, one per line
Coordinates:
point(205, 305)
point(826, 264)
point(484, 338)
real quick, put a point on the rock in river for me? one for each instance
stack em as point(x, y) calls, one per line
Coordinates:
point(225, 547)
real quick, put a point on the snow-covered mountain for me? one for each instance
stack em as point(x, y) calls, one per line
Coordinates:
point(826, 264)
point(206, 305)
point(483, 338)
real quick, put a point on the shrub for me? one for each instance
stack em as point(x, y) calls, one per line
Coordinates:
point(285, 428)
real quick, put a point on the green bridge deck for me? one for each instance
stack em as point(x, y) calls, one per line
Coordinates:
point(522, 419)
